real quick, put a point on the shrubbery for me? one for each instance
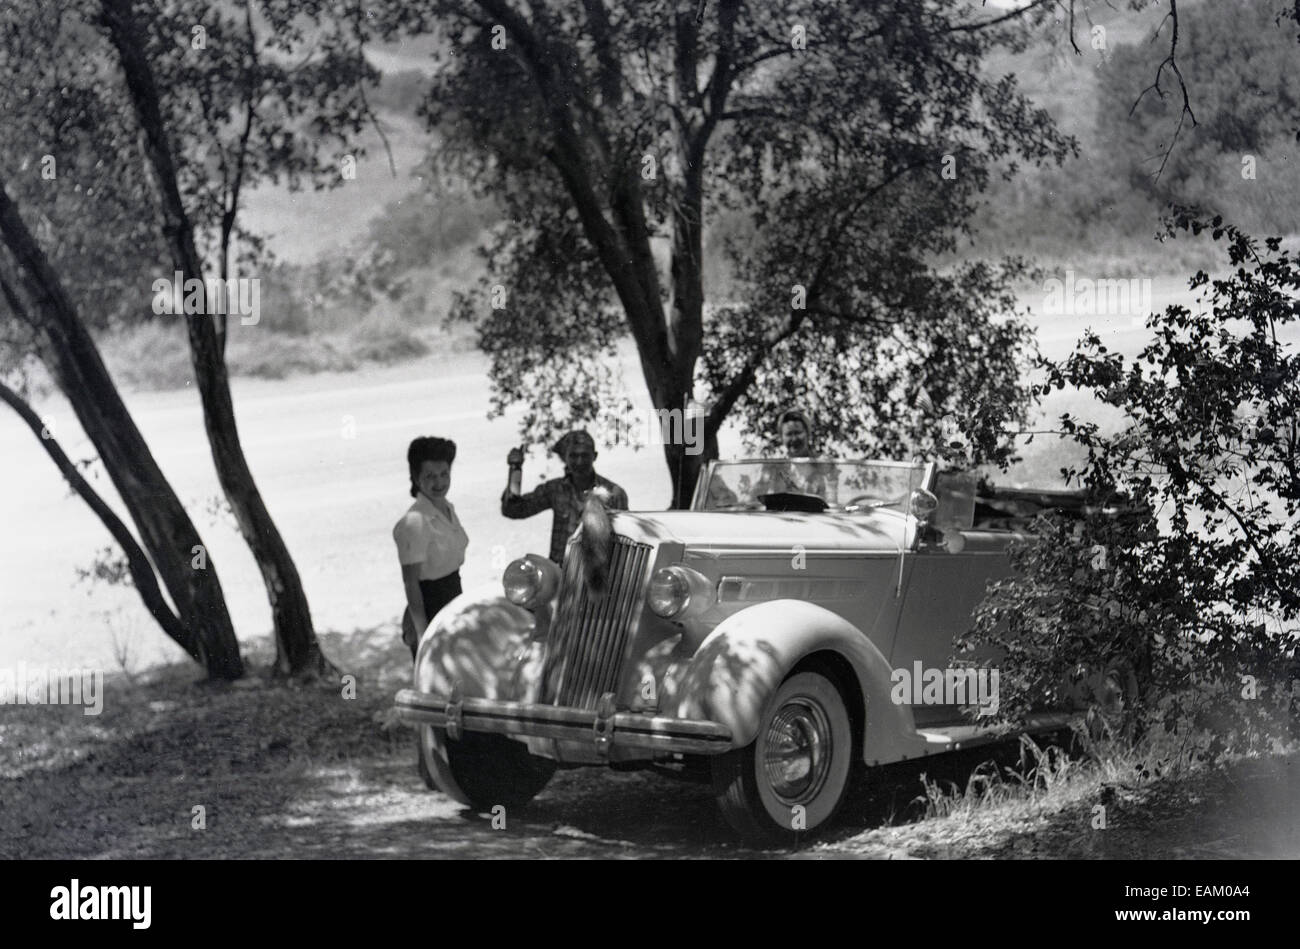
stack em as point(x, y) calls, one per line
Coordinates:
point(1179, 594)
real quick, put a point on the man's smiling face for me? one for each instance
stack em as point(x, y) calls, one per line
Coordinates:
point(580, 459)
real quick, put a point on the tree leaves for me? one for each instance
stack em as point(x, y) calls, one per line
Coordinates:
point(1206, 572)
point(613, 134)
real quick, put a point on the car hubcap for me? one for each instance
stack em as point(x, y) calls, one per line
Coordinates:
point(797, 751)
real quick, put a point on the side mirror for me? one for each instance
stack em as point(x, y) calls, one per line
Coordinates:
point(923, 505)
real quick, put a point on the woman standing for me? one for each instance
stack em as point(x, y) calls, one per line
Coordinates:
point(430, 541)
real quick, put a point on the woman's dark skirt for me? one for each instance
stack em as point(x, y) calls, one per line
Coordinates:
point(436, 594)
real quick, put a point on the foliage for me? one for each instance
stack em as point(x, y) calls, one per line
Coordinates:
point(949, 384)
point(274, 93)
point(109, 567)
point(430, 225)
point(1193, 596)
point(203, 103)
point(852, 160)
point(1238, 60)
point(70, 164)
point(1101, 209)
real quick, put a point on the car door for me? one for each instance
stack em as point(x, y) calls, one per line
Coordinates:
point(940, 591)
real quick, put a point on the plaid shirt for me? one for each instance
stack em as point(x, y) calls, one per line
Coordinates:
point(566, 501)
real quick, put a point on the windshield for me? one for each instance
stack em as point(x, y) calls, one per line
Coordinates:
point(843, 485)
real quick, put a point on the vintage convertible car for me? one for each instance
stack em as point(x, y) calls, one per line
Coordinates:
point(797, 621)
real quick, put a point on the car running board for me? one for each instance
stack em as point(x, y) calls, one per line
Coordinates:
point(957, 737)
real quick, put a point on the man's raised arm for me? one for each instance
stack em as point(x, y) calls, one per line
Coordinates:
point(514, 504)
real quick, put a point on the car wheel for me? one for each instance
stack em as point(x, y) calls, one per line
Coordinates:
point(482, 771)
point(792, 777)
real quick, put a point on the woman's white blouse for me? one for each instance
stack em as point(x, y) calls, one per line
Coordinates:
point(427, 537)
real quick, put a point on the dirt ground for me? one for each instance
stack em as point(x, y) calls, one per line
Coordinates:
point(307, 773)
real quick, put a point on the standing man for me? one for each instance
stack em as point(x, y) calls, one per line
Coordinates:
point(564, 496)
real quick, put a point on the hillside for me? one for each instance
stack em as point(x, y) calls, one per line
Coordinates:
point(380, 256)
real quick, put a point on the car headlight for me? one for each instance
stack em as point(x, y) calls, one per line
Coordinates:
point(670, 592)
point(530, 581)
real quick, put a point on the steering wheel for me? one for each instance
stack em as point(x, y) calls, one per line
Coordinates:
point(865, 497)
point(793, 501)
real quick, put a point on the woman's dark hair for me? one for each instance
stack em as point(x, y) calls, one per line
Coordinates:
point(427, 448)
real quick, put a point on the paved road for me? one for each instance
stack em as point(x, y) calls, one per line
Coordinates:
point(328, 452)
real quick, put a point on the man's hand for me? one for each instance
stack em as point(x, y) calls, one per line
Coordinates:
point(514, 475)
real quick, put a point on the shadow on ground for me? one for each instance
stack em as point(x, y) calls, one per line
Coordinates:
point(172, 769)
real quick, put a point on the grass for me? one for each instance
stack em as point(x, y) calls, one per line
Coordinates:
point(126, 782)
point(308, 772)
point(1047, 777)
point(1117, 802)
point(1042, 774)
point(1062, 793)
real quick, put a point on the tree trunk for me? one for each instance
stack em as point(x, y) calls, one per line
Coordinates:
point(685, 469)
point(297, 650)
point(165, 529)
point(142, 574)
point(686, 323)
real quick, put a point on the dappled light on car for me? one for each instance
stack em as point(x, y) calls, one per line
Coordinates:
point(476, 646)
point(730, 677)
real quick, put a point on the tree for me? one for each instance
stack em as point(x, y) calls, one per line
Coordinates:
point(34, 295)
point(69, 164)
point(168, 136)
point(1237, 58)
point(297, 650)
point(846, 144)
point(1194, 597)
point(137, 561)
point(67, 278)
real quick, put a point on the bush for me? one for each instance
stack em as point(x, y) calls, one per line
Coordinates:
point(383, 338)
point(147, 356)
point(270, 355)
point(1181, 590)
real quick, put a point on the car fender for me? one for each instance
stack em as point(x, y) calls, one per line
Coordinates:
point(483, 644)
point(741, 663)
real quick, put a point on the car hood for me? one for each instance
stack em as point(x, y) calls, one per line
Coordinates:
point(881, 530)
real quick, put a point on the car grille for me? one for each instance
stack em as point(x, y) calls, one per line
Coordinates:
point(589, 634)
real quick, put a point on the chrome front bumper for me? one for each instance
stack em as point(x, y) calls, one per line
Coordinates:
point(603, 727)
